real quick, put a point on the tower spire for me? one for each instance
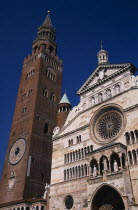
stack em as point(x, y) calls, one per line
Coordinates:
point(48, 22)
point(46, 37)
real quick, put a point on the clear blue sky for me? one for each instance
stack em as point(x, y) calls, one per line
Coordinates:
point(81, 25)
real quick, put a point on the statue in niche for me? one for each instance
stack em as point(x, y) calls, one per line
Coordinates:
point(130, 199)
point(115, 165)
point(79, 205)
point(53, 207)
point(105, 164)
point(100, 97)
point(108, 93)
point(117, 89)
point(46, 190)
point(93, 101)
point(95, 171)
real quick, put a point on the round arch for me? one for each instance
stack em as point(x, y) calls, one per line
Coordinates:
point(106, 197)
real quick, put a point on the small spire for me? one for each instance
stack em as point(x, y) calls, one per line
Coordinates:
point(48, 22)
point(64, 100)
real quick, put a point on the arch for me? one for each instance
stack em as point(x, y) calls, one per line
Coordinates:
point(42, 207)
point(130, 158)
point(70, 173)
point(74, 156)
point(123, 160)
point(73, 173)
point(76, 172)
point(127, 138)
point(82, 154)
point(37, 208)
point(79, 171)
point(69, 143)
point(45, 92)
point(132, 137)
point(65, 175)
point(68, 158)
point(82, 170)
point(85, 170)
point(136, 135)
point(65, 158)
point(107, 196)
point(79, 154)
point(52, 97)
point(134, 156)
point(46, 128)
point(91, 148)
point(114, 157)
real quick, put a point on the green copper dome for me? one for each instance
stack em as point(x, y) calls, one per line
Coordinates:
point(64, 100)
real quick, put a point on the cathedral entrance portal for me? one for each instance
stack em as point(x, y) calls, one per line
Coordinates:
point(107, 198)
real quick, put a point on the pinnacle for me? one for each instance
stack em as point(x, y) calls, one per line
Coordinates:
point(64, 100)
point(48, 22)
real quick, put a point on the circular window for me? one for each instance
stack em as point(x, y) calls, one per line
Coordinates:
point(107, 124)
point(69, 202)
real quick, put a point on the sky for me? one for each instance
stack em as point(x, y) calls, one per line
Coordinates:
point(80, 27)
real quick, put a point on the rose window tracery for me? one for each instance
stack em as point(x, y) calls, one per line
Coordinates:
point(109, 125)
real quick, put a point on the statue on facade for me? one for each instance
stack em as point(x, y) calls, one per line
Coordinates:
point(105, 164)
point(79, 205)
point(53, 207)
point(46, 190)
point(100, 97)
point(130, 199)
point(95, 171)
point(115, 166)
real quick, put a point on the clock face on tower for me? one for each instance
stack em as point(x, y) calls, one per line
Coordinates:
point(17, 151)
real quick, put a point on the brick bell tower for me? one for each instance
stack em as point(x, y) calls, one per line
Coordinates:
point(27, 165)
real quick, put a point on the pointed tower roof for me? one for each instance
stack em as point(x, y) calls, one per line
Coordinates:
point(48, 22)
point(64, 100)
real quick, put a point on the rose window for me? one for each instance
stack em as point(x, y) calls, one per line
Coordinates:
point(109, 125)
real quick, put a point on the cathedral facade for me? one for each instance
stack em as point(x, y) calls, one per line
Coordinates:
point(95, 150)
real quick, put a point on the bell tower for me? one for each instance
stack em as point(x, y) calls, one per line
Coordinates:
point(27, 165)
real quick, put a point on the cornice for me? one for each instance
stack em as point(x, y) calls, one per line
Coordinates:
point(85, 89)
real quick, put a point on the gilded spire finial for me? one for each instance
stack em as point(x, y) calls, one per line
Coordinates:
point(48, 12)
point(101, 45)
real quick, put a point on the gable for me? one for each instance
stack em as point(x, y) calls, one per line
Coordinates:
point(101, 74)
